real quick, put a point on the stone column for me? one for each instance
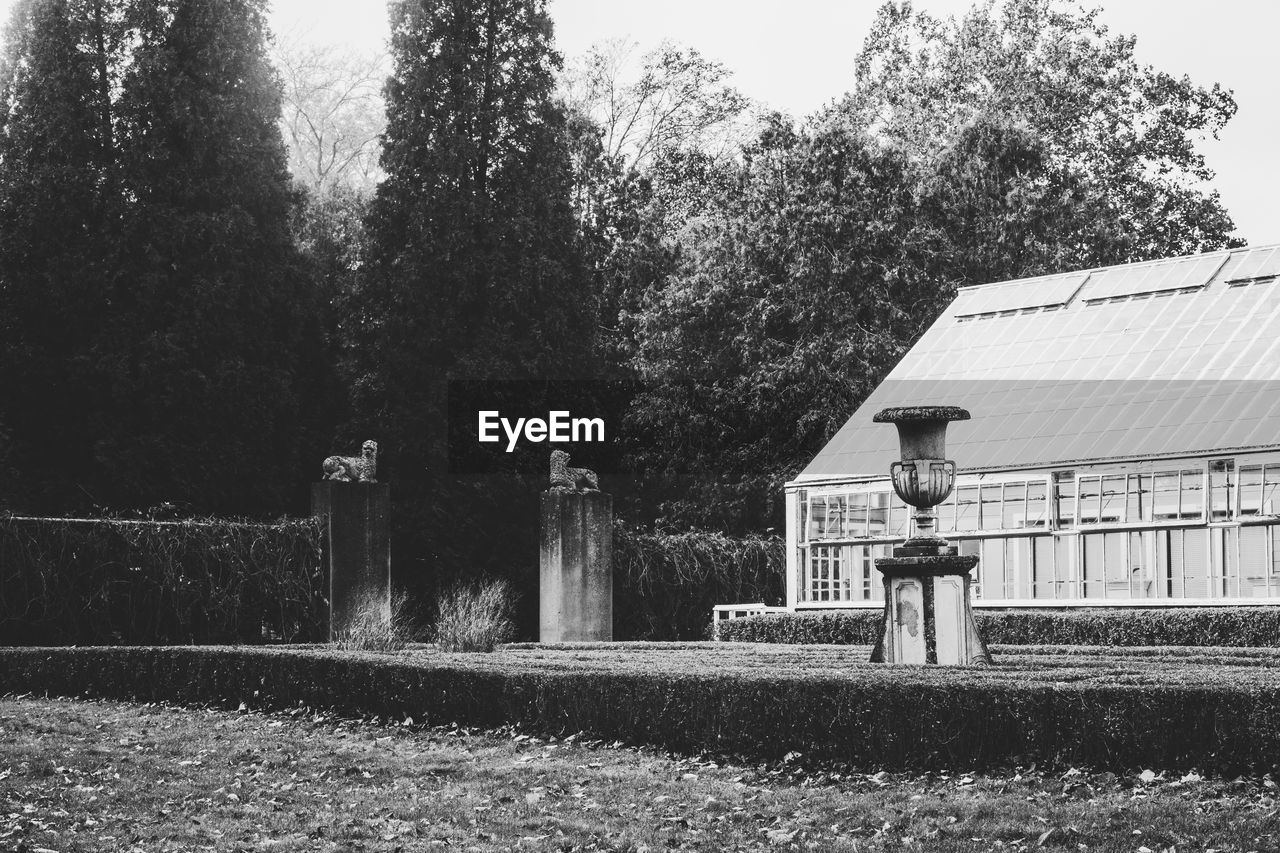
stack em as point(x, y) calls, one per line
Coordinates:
point(356, 543)
point(575, 602)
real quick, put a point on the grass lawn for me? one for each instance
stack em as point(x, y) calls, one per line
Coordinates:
point(81, 776)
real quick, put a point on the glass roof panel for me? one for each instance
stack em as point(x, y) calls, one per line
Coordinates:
point(1027, 293)
point(1153, 277)
point(1255, 264)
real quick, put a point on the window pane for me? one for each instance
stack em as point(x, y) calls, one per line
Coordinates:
point(856, 519)
point(973, 548)
point(1271, 490)
point(878, 514)
point(1114, 548)
point(1090, 492)
point(1141, 572)
point(1064, 486)
point(1192, 494)
point(1019, 560)
point(1250, 490)
point(1092, 564)
point(1138, 504)
point(990, 507)
point(1112, 499)
point(967, 508)
point(1165, 500)
point(947, 513)
point(1044, 579)
point(817, 516)
point(827, 581)
point(992, 570)
point(1255, 555)
point(864, 566)
point(1221, 474)
point(900, 515)
point(1066, 570)
point(1015, 506)
point(1037, 509)
point(1192, 556)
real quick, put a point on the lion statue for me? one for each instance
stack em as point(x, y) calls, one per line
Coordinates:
point(566, 479)
point(354, 469)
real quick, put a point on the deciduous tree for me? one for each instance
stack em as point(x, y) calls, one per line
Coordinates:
point(1123, 131)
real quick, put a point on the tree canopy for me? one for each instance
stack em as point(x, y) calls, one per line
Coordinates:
point(161, 290)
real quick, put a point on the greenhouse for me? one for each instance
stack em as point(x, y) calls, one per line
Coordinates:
point(1124, 446)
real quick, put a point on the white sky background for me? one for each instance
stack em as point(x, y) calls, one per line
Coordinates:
point(796, 55)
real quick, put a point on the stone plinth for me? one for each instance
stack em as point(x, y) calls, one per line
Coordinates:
point(927, 613)
point(575, 600)
point(356, 543)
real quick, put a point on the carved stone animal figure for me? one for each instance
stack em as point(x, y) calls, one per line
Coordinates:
point(564, 478)
point(354, 469)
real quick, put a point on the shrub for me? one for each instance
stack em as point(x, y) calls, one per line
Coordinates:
point(1183, 626)
point(377, 628)
point(474, 618)
point(855, 627)
point(665, 584)
point(201, 581)
point(1104, 710)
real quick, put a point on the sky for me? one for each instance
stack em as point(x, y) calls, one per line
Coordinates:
point(798, 55)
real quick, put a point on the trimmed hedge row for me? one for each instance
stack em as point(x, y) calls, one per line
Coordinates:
point(1190, 626)
point(88, 581)
point(873, 716)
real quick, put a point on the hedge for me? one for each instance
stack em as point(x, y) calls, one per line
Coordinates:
point(66, 581)
point(665, 584)
point(1183, 626)
point(1110, 712)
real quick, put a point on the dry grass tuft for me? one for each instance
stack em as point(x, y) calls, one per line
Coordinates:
point(379, 628)
point(474, 617)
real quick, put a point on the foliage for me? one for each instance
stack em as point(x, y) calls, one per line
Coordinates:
point(789, 303)
point(1003, 208)
point(56, 246)
point(72, 581)
point(1170, 626)
point(474, 617)
point(1125, 131)
point(378, 625)
point(147, 269)
point(1112, 711)
point(846, 628)
point(474, 269)
point(665, 584)
point(198, 761)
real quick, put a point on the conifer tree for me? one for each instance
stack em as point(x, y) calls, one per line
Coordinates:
point(156, 312)
point(475, 269)
point(206, 354)
point(56, 172)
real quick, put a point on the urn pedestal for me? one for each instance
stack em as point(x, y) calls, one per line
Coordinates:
point(356, 550)
point(575, 598)
point(927, 613)
point(928, 617)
